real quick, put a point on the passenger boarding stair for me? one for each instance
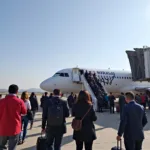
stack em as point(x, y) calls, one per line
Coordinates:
point(98, 90)
point(89, 89)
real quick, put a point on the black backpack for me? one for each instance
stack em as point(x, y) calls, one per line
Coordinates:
point(55, 113)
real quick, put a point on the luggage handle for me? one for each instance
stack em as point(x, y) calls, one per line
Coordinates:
point(120, 144)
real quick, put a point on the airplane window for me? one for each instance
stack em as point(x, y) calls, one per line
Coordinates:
point(122, 77)
point(125, 77)
point(56, 74)
point(62, 74)
point(66, 75)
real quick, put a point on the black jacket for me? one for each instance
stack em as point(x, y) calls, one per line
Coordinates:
point(34, 103)
point(70, 101)
point(43, 99)
point(87, 133)
point(53, 129)
point(132, 123)
point(122, 102)
point(112, 100)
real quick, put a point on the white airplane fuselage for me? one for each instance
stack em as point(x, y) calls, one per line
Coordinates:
point(113, 81)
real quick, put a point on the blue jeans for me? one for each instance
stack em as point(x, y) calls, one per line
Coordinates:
point(25, 121)
point(12, 142)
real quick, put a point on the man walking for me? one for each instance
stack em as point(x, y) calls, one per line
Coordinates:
point(10, 118)
point(44, 98)
point(112, 103)
point(121, 103)
point(70, 101)
point(132, 123)
point(54, 114)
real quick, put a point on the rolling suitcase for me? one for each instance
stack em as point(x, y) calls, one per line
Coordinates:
point(41, 143)
point(118, 147)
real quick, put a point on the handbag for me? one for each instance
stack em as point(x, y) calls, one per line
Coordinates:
point(77, 124)
point(30, 115)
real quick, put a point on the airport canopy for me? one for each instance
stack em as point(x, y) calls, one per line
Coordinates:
point(140, 63)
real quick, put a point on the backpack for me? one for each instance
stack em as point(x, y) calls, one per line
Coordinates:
point(77, 124)
point(55, 113)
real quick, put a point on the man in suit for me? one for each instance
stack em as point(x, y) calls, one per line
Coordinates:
point(112, 103)
point(121, 103)
point(132, 123)
point(54, 132)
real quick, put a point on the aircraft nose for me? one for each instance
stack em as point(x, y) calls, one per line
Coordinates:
point(47, 85)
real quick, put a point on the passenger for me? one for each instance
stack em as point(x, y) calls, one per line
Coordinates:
point(94, 75)
point(75, 98)
point(54, 114)
point(143, 98)
point(122, 102)
point(87, 134)
point(132, 123)
point(100, 103)
point(106, 98)
point(112, 103)
point(70, 101)
point(86, 74)
point(10, 118)
point(138, 99)
point(25, 119)
point(51, 95)
point(44, 98)
point(0, 96)
point(34, 106)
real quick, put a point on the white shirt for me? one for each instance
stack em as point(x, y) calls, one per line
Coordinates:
point(28, 105)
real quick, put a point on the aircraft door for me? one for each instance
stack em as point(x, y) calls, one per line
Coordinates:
point(76, 75)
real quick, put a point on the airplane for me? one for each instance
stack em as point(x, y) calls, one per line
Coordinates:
point(69, 80)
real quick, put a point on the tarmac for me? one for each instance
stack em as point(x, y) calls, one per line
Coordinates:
point(106, 130)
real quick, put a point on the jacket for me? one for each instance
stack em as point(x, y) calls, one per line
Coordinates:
point(132, 122)
point(43, 99)
point(121, 102)
point(34, 103)
point(10, 115)
point(87, 133)
point(55, 129)
point(112, 100)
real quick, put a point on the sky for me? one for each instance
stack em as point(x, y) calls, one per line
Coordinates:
point(39, 38)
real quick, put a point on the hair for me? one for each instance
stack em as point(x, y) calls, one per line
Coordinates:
point(122, 93)
point(85, 97)
point(32, 94)
point(71, 93)
point(13, 89)
point(45, 93)
point(25, 96)
point(110, 92)
point(130, 95)
point(0, 95)
point(56, 92)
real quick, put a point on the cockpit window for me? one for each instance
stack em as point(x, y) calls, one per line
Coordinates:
point(61, 74)
point(66, 75)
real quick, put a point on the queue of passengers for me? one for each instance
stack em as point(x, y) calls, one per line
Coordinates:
point(55, 112)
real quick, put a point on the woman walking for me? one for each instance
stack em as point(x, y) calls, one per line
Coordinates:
point(34, 106)
point(83, 110)
point(25, 119)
